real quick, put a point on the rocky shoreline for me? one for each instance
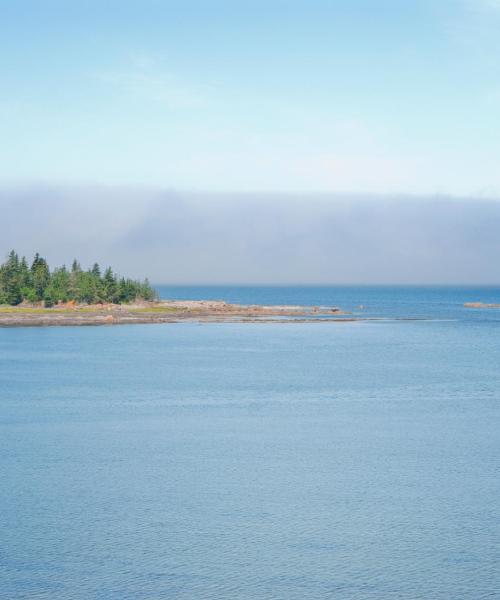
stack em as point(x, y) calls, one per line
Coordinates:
point(480, 305)
point(202, 311)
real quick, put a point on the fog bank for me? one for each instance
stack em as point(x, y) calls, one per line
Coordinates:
point(184, 237)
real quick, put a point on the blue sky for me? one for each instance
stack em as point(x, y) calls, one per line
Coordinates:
point(363, 96)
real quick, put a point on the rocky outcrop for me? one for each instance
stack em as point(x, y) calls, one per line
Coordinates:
point(480, 305)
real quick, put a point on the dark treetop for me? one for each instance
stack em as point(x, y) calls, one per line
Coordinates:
point(37, 283)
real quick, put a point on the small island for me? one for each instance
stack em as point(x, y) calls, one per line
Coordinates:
point(34, 295)
point(480, 305)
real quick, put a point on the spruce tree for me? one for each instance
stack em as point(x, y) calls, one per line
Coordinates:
point(41, 276)
point(37, 283)
point(110, 287)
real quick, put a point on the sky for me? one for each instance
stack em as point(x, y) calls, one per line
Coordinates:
point(320, 110)
point(253, 95)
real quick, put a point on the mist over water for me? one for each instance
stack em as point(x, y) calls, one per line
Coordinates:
point(188, 237)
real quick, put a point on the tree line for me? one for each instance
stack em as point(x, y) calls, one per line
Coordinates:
point(36, 283)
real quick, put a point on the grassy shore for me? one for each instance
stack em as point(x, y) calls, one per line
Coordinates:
point(93, 309)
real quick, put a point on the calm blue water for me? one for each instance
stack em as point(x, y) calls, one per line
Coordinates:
point(255, 461)
point(371, 301)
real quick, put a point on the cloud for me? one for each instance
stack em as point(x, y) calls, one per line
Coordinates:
point(247, 238)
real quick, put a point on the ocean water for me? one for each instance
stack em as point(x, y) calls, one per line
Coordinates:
point(364, 301)
point(256, 460)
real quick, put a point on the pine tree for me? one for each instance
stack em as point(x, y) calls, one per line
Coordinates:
point(18, 283)
point(12, 280)
point(110, 287)
point(41, 276)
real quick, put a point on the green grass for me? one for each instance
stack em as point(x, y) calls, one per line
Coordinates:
point(21, 310)
point(155, 309)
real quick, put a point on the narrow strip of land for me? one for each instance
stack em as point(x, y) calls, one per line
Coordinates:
point(480, 305)
point(161, 312)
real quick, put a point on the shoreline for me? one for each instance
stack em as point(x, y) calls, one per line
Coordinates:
point(480, 305)
point(168, 311)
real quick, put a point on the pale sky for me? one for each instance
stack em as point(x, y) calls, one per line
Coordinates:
point(385, 96)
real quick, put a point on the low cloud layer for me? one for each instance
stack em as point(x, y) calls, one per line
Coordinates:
point(175, 237)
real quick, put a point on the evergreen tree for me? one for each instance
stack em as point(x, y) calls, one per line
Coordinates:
point(37, 283)
point(11, 280)
point(60, 284)
point(50, 297)
point(110, 286)
point(41, 276)
point(24, 273)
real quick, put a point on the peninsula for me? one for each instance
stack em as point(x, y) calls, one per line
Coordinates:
point(33, 295)
point(173, 311)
